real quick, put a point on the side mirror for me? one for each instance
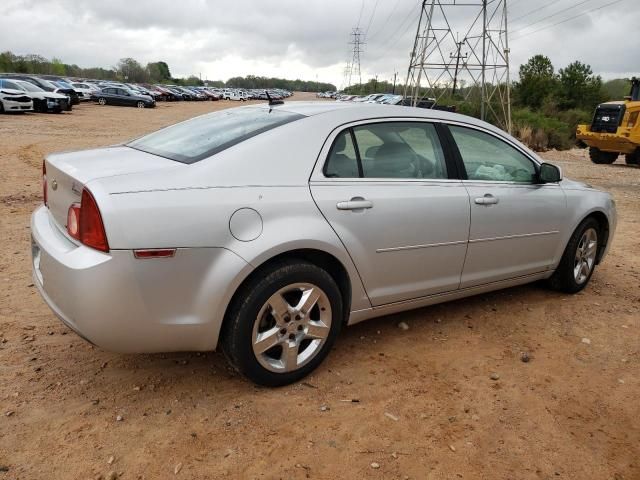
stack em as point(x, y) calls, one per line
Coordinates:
point(549, 173)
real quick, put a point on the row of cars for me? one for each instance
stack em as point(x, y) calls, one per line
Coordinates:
point(50, 93)
point(386, 99)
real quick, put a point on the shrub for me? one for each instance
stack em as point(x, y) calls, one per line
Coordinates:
point(542, 132)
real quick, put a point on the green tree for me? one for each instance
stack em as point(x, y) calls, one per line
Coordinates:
point(537, 82)
point(158, 72)
point(57, 67)
point(130, 70)
point(579, 87)
point(615, 89)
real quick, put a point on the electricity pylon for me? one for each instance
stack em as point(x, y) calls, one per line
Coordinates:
point(480, 60)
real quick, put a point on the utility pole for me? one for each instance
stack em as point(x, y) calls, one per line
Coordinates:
point(395, 74)
point(485, 67)
point(375, 85)
point(357, 43)
point(457, 57)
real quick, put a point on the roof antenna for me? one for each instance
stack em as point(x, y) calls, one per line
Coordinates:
point(271, 100)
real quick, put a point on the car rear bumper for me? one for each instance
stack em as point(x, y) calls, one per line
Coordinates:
point(124, 304)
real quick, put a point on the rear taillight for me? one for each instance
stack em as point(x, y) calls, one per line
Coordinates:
point(84, 223)
point(44, 183)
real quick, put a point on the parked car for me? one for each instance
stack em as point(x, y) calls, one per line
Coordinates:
point(43, 101)
point(63, 84)
point(265, 229)
point(83, 90)
point(233, 95)
point(47, 86)
point(123, 96)
point(14, 100)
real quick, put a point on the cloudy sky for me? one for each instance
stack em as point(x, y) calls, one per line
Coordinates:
point(305, 39)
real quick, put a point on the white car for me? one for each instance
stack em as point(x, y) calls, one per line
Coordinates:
point(84, 91)
point(43, 101)
point(14, 100)
point(233, 95)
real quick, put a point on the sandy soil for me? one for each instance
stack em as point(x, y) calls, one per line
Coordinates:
point(387, 403)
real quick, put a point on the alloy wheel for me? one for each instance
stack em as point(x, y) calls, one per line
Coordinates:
point(585, 257)
point(291, 327)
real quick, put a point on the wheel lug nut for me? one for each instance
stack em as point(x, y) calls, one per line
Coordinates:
point(283, 331)
point(292, 336)
point(300, 327)
point(287, 318)
point(298, 317)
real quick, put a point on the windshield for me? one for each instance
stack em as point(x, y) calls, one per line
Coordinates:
point(29, 87)
point(201, 137)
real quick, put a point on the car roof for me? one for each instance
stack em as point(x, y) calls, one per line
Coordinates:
point(340, 113)
point(348, 112)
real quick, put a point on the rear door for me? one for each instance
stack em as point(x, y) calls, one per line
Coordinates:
point(515, 221)
point(390, 194)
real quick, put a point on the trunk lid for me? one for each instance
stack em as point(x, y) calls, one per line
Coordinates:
point(68, 173)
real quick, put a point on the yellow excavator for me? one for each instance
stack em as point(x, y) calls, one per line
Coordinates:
point(615, 130)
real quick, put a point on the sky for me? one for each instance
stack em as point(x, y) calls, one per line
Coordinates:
point(307, 39)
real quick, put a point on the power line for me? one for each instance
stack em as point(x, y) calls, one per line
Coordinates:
point(360, 16)
point(371, 18)
point(552, 2)
point(568, 19)
point(400, 26)
point(551, 16)
point(386, 21)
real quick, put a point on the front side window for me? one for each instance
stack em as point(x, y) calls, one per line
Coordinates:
point(408, 150)
point(201, 137)
point(486, 157)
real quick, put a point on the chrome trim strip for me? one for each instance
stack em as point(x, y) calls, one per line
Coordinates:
point(414, 247)
point(507, 237)
point(460, 242)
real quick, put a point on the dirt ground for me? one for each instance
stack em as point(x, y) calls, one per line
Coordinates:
point(387, 403)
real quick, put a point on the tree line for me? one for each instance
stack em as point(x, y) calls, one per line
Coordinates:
point(130, 70)
point(547, 104)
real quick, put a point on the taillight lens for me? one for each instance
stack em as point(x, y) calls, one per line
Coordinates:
point(84, 223)
point(44, 183)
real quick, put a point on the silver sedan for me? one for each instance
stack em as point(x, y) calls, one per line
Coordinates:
point(265, 229)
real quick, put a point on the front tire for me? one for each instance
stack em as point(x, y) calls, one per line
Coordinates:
point(282, 323)
point(600, 157)
point(140, 105)
point(632, 158)
point(578, 260)
point(101, 101)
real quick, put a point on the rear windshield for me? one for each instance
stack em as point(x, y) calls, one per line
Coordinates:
point(201, 137)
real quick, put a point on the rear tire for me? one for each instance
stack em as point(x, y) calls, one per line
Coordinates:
point(140, 105)
point(579, 259)
point(632, 158)
point(281, 325)
point(102, 101)
point(600, 157)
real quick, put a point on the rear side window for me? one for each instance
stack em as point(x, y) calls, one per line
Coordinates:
point(201, 137)
point(342, 161)
point(409, 150)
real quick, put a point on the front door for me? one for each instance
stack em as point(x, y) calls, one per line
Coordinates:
point(515, 221)
point(385, 190)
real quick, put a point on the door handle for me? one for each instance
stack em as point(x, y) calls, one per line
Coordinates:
point(488, 199)
point(356, 203)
